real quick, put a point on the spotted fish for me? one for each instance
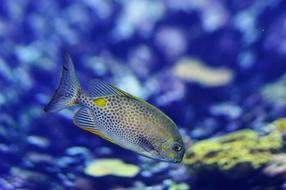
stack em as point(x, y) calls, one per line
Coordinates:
point(118, 117)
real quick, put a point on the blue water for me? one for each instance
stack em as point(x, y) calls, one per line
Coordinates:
point(134, 45)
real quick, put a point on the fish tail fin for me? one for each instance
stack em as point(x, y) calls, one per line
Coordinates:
point(69, 90)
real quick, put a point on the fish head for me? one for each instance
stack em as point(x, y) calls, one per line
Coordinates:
point(172, 150)
point(169, 149)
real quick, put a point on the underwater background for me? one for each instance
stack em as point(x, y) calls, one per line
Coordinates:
point(217, 68)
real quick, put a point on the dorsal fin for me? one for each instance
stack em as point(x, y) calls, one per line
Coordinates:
point(98, 88)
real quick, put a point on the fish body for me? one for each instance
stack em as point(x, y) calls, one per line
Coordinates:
point(118, 117)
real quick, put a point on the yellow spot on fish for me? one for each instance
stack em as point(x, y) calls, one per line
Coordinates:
point(100, 102)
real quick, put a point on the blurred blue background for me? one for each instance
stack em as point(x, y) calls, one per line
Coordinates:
point(205, 63)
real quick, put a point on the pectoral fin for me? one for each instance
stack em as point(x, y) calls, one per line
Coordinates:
point(86, 120)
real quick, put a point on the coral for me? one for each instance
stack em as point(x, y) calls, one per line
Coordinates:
point(103, 167)
point(165, 184)
point(275, 93)
point(190, 69)
point(180, 186)
point(244, 147)
point(280, 125)
point(277, 166)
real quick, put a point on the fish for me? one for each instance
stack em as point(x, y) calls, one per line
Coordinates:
point(117, 116)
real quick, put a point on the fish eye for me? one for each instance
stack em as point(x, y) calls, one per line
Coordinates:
point(177, 147)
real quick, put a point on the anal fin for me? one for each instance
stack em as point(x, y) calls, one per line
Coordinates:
point(98, 134)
